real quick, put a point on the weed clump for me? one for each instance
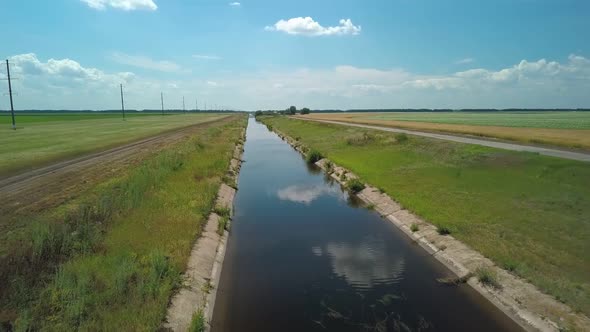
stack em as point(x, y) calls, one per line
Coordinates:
point(222, 211)
point(222, 224)
point(198, 322)
point(360, 140)
point(401, 137)
point(355, 186)
point(414, 228)
point(487, 277)
point(443, 230)
point(314, 156)
point(329, 166)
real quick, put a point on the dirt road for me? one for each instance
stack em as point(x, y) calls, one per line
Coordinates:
point(468, 140)
point(52, 185)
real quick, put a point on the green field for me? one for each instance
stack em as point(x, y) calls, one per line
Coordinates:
point(110, 259)
point(528, 213)
point(554, 120)
point(23, 118)
point(43, 139)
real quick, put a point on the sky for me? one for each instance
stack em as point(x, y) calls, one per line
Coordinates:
point(321, 54)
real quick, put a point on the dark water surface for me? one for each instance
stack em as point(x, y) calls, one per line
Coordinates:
point(304, 256)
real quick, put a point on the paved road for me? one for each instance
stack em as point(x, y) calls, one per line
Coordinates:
point(461, 139)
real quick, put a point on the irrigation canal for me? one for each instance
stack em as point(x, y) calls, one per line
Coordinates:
point(303, 255)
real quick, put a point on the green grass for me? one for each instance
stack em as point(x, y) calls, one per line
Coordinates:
point(118, 252)
point(43, 139)
point(522, 210)
point(555, 120)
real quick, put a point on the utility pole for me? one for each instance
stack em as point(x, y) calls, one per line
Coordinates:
point(10, 93)
point(196, 105)
point(122, 102)
point(162, 99)
point(183, 109)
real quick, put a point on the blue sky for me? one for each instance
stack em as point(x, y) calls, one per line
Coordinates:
point(256, 54)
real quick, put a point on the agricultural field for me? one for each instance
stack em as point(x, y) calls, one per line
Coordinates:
point(567, 129)
point(110, 256)
point(43, 139)
point(528, 213)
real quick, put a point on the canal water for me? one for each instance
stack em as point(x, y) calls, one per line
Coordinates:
point(305, 256)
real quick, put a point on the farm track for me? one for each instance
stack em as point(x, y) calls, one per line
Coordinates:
point(51, 185)
point(469, 140)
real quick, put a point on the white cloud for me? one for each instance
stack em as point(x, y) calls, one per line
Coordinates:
point(306, 26)
point(145, 62)
point(126, 5)
point(65, 83)
point(206, 57)
point(525, 72)
point(64, 69)
point(235, 4)
point(464, 61)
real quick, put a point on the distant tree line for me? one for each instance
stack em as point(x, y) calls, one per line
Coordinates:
point(292, 110)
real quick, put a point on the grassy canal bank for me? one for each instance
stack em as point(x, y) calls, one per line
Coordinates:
point(110, 258)
point(526, 212)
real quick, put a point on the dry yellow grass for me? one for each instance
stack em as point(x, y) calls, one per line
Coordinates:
point(572, 138)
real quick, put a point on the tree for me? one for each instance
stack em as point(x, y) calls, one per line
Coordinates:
point(258, 113)
point(292, 110)
point(305, 110)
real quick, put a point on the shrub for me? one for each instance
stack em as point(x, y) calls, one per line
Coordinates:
point(371, 206)
point(414, 228)
point(355, 185)
point(401, 137)
point(314, 156)
point(329, 166)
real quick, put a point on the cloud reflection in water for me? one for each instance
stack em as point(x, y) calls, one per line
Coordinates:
point(363, 265)
point(305, 194)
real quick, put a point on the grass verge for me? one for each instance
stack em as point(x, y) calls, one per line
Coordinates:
point(111, 259)
point(522, 210)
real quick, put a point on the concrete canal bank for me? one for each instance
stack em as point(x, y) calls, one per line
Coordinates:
point(196, 299)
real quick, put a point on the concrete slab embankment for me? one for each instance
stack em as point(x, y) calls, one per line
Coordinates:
point(203, 271)
point(520, 300)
